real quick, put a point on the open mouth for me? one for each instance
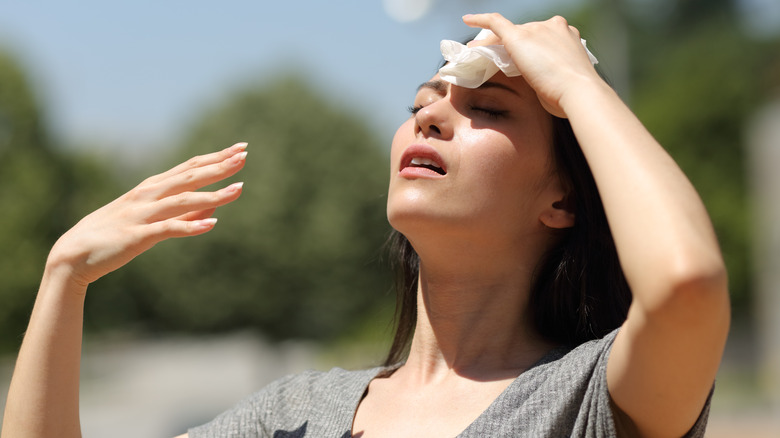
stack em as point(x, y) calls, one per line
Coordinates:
point(427, 163)
point(422, 161)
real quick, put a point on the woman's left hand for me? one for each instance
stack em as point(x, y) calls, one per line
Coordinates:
point(548, 54)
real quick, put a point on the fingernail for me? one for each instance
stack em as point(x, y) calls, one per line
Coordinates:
point(467, 16)
point(240, 146)
point(206, 223)
point(239, 157)
point(235, 186)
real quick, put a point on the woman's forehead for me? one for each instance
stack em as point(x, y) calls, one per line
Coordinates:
point(515, 84)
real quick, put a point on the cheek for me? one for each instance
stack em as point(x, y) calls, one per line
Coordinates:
point(489, 157)
point(503, 170)
point(403, 137)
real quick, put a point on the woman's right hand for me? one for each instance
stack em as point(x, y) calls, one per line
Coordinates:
point(161, 207)
point(46, 377)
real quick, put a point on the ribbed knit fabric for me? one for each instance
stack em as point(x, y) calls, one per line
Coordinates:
point(563, 395)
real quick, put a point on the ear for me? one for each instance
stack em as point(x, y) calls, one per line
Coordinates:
point(559, 215)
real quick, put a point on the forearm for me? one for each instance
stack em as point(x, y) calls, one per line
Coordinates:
point(43, 399)
point(665, 357)
point(660, 226)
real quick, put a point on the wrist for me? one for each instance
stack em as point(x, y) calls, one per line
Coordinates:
point(59, 270)
point(584, 93)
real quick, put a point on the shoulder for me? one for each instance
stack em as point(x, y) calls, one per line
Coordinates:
point(314, 385)
point(564, 394)
point(582, 360)
point(573, 384)
point(313, 401)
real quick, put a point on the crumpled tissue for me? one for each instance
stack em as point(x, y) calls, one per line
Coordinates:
point(471, 67)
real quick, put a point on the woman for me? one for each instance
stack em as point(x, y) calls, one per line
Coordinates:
point(485, 203)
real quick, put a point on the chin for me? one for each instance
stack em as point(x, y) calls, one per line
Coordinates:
point(410, 219)
point(419, 221)
point(404, 220)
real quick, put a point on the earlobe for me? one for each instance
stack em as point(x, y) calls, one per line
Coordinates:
point(559, 215)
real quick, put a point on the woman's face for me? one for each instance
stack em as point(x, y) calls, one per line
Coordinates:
point(473, 160)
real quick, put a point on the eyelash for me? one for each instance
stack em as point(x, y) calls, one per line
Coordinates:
point(493, 114)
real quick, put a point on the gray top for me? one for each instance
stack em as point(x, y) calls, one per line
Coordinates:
point(563, 395)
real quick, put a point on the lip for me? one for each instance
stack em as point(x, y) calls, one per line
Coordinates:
point(421, 151)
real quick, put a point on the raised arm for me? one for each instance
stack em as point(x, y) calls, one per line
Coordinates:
point(43, 399)
point(664, 360)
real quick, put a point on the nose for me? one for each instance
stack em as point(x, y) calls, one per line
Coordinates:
point(435, 119)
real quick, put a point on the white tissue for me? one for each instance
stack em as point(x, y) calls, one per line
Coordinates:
point(471, 67)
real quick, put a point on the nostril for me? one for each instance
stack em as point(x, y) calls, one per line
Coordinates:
point(435, 129)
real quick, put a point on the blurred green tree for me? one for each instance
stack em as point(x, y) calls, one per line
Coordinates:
point(298, 254)
point(40, 195)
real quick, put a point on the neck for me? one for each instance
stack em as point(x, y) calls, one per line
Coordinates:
point(473, 316)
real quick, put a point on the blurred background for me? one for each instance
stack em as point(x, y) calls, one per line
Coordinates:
point(94, 97)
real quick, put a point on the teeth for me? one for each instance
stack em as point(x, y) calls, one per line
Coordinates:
point(424, 162)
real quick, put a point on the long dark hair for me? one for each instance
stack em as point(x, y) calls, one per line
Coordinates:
point(579, 291)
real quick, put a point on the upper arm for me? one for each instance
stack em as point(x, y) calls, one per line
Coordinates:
point(663, 363)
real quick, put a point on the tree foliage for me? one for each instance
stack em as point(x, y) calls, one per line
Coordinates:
point(298, 254)
point(40, 194)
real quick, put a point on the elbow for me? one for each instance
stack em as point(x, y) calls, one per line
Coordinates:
point(695, 293)
point(704, 290)
point(699, 275)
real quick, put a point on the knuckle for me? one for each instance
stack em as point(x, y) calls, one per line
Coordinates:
point(180, 199)
point(195, 161)
point(166, 227)
point(189, 176)
point(560, 20)
point(139, 192)
point(148, 181)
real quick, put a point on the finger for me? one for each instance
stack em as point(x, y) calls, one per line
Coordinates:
point(496, 22)
point(200, 161)
point(191, 203)
point(191, 179)
point(197, 215)
point(561, 24)
point(487, 41)
point(205, 160)
point(174, 228)
point(196, 178)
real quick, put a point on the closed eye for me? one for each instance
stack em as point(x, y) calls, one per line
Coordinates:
point(414, 109)
point(494, 114)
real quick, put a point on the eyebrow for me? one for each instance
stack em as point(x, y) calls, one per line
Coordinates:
point(441, 86)
point(499, 85)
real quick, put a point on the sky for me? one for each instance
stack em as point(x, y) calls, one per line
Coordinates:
point(130, 76)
